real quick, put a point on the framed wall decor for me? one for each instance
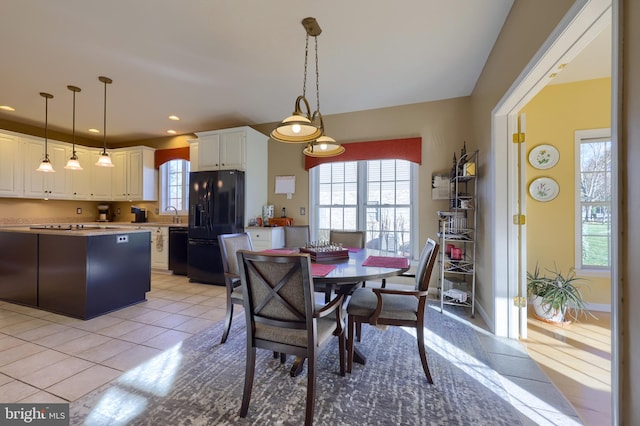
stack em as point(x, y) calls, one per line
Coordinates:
point(544, 156)
point(544, 189)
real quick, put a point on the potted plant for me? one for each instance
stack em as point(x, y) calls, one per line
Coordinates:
point(556, 298)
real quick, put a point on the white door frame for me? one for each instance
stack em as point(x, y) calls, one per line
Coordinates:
point(581, 24)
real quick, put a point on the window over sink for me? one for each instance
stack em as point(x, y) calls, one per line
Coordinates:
point(174, 187)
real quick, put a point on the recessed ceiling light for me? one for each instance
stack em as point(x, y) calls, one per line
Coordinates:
point(174, 117)
point(553, 75)
point(94, 131)
point(7, 108)
point(171, 132)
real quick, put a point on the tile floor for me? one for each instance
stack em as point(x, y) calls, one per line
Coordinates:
point(46, 357)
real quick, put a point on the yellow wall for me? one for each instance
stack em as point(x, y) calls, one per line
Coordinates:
point(15, 211)
point(552, 117)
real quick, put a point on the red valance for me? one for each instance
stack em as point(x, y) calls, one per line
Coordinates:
point(164, 155)
point(398, 149)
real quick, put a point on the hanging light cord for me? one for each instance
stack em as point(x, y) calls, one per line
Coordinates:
point(73, 137)
point(46, 127)
point(104, 126)
point(317, 76)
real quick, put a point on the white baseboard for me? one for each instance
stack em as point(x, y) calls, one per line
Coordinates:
point(598, 307)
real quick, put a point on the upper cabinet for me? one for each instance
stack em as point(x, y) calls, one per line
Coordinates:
point(10, 166)
point(222, 149)
point(45, 185)
point(134, 177)
point(238, 148)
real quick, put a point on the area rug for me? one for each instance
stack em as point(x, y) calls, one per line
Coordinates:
point(200, 382)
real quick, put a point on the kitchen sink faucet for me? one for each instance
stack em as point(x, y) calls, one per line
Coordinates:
point(176, 219)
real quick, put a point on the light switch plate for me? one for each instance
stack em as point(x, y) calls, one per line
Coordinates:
point(302, 211)
point(79, 210)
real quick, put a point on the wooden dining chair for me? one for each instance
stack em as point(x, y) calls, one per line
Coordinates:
point(229, 245)
point(282, 316)
point(296, 236)
point(385, 306)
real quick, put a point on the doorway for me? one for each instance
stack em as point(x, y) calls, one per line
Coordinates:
point(579, 27)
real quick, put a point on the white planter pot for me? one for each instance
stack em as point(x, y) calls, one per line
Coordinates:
point(545, 312)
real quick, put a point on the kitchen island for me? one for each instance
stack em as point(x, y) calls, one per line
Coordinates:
point(75, 270)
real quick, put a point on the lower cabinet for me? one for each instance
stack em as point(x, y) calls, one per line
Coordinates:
point(160, 247)
point(264, 238)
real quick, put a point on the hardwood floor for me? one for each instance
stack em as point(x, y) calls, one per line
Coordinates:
point(577, 359)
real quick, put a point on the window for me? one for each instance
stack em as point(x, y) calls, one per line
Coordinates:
point(593, 199)
point(174, 186)
point(373, 196)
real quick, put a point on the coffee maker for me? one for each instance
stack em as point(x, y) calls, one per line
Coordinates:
point(104, 214)
point(140, 215)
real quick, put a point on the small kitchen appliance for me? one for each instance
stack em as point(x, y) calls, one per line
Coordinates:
point(140, 215)
point(104, 212)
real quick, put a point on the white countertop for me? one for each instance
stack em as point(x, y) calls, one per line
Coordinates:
point(87, 231)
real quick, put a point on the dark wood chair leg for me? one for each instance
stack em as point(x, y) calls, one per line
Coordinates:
point(248, 381)
point(283, 357)
point(342, 348)
point(297, 366)
point(358, 331)
point(227, 322)
point(311, 388)
point(384, 283)
point(423, 353)
point(351, 329)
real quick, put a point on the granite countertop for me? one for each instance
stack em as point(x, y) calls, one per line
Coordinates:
point(75, 230)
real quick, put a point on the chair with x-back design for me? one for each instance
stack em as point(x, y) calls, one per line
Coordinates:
point(282, 316)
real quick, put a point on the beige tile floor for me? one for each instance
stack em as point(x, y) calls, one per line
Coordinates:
point(45, 357)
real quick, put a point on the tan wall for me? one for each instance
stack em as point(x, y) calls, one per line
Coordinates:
point(25, 211)
point(440, 124)
point(630, 226)
point(528, 25)
point(552, 118)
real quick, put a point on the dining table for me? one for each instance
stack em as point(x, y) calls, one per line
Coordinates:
point(343, 275)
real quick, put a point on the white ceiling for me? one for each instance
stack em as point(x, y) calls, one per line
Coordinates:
point(226, 63)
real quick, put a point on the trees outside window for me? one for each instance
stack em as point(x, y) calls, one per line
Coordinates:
point(593, 199)
point(174, 186)
point(373, 196)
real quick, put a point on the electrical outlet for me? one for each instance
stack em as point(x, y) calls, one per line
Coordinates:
point(79, 210)
point(157, 211)
point(303, 211)
point(118, 210)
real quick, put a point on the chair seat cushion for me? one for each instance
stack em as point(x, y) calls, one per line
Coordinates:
point(325, 327)
point(236, 293)
point(395, 306)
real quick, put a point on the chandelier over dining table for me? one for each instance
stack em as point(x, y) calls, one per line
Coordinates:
point(303, 126)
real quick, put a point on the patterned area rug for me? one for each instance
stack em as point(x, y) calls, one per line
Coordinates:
point(200, 381)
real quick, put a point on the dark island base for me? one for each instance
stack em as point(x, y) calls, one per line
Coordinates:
point(88, 277)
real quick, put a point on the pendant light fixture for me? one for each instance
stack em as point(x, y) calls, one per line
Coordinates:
point(302, 126)
point(104, 160)
point(73, 163)
point(46, 166)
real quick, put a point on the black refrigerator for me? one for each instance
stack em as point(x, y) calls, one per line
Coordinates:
point(216, 206)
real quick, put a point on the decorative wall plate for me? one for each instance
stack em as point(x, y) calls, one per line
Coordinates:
point(544, 156)
point(544, 189)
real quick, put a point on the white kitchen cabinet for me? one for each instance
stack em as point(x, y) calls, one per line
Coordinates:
point(134, 176)
point(160, 247)
point(222, 149)
point(45, 185)
point(100, 178)
point(264, 238)
point(238, 148)
point(10, 165)
point(81, 179)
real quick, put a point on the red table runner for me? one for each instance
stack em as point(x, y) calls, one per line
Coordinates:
point(386, 262)
point(278, 251)
point(320, 270)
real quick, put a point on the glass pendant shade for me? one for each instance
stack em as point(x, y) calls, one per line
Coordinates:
point(45, 165)
point(324, 146)
point(73, 163)
point(298, 127)
point(104, 160)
